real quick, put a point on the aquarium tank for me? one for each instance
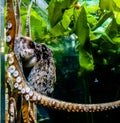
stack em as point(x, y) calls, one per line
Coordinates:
point(84, 36)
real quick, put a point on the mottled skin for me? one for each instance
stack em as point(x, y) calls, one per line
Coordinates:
point(39, 59)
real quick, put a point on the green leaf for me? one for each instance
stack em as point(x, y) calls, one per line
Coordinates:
point(106, 4)
point(81, 29)
point(57, 30)
point(62, 27)
point(112, 5)
point(86, 60)
point(91, 20)
point(103, 20)
point(117, 14)
point(56, 9)
point(67, 18)
point(39, 28)
point(116, 40)
point(117, 2)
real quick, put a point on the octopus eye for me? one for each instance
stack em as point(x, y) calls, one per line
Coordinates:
point(22, 38)
point(32, 45)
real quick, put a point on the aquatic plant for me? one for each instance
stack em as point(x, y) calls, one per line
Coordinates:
point(92, 24)
point(95, 44)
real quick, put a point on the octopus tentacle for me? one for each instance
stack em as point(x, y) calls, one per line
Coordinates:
point(11, 25)
point(27, 112)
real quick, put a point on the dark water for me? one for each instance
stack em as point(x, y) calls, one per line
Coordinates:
point(100, 86)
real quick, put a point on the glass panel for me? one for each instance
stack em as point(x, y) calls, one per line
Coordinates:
point(2, 86)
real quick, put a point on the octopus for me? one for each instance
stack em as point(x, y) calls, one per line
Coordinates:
point(37, 63)
point(32, 69)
